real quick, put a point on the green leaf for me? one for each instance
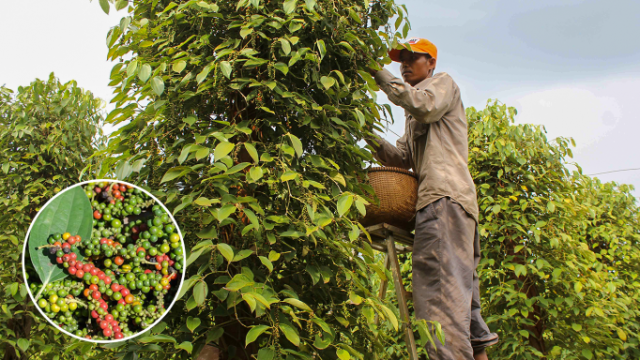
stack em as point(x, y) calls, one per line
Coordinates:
point(174, 173)
point(282, 67)
point(104, 4)
point(226, 251)
point(252, 152)
point(245, 31)
point(289, 175)
point(185, 345)
point(297, 303)
point(344, 204)
point(321, 48)
point(286, 46)
point(225, 67)
point(311, 4)
point(327, 82)
point(200, 291)
point(390, 316)
point(156, 339)
point(243, 254)
point(193, 323)
point(255, 331)
point(290, 333)
point(70, 211)
point(266, 354)
point(289, 6)
point(576, 327)
point(23, 344)
point(157, 85)
point(222, 150)
point(551, 206)
point(256, 173)
point(179, 66)
point(297, 144)
point(144, 73)
point(587, 353)
point(266, 262)
point(343, 354)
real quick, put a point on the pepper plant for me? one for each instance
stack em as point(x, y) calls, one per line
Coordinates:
point(245, 117)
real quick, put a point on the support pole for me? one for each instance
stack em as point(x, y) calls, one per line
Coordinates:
point(402, 301)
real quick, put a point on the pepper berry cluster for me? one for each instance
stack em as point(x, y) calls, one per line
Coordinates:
point(129, 267)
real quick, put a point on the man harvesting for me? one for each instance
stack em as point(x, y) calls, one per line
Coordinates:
point(446, 250)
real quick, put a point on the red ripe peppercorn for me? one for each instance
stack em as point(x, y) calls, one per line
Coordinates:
point(167, 287)
point(125, 292)
point(107, 280)
point(106, 332)
point(116, 329)
point(97, 190)
point(71, 240)
point(59, 260)
point(101, 275)
point(171, 262)
point(108, 317)
point(86, 268)
point(93, 287)
point(103, 324)
point(159, 258)
point(103, 241)
point(118, 260)
point(94, 271)
point(79, 265)
point(115, 287)
point(65, 258)
point(113, 201)
point(104, 305)
point(147, 271)
point(79, 274)
point(119, 335)
point(115, 193)
point(139, 249)
point(158, 266)
point(121, 301)
point(72, 270)
point(66, 244)
point(73, 256)
point(97, 215)
point(94, 314)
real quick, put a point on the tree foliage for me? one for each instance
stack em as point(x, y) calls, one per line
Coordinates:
point(244, 117)
point(48, 133)
point(560, 249)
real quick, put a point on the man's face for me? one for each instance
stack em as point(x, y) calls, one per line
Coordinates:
point(415, 67)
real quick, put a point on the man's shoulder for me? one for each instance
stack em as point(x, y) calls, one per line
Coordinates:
point(441, 77)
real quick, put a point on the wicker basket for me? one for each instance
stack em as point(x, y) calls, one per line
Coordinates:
point(397, 190)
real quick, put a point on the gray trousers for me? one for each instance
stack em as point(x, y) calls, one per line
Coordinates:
point(446, 253)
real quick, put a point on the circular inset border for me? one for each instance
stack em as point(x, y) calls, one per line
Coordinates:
point(24, 270)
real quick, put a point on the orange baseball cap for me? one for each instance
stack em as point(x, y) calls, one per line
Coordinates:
point(417, 45)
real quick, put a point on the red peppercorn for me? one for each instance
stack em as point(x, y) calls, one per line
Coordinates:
point(93, 287)
point(106, 332)
point(97, 215)
point(97, 190)
point(72, 270)
point(104, 306)
point(108, 318)
point(115, 287)
point(59, 260)
point(86, 268)
point(73, 256)
point(119, 335)
point(107, 280)
point(103, 241)
point(94, 271)
point(79, 274)
point(125, 292)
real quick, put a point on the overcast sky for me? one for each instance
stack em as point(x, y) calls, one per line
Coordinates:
point(571, 65)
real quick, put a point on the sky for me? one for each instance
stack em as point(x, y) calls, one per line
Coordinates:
point(570, 65)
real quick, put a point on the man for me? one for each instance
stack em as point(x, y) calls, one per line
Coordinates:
point(446, 250)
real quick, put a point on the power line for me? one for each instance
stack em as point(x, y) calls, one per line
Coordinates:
point(613, 171)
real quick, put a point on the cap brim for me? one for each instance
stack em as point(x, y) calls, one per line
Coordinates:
point(395, 53)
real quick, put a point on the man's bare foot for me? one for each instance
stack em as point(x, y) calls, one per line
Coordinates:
point(482, 355)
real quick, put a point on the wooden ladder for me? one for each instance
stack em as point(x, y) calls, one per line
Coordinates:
point(393, 241)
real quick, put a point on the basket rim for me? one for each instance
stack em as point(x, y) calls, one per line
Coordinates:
point(393, 169)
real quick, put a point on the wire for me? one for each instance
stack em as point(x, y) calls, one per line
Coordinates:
point(613, 171)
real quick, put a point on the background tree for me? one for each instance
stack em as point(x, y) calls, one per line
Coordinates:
point(244, 118)
point(550, 289)
point(48, 133)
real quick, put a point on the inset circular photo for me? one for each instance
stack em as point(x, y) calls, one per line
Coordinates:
point(103, 260)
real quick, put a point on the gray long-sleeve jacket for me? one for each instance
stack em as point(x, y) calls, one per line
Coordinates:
point(435, 143)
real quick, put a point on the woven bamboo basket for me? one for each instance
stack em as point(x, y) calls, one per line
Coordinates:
point(397, 190)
